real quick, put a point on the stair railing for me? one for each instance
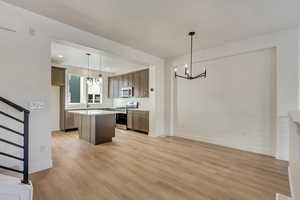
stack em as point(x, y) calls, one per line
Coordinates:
point(24, 135)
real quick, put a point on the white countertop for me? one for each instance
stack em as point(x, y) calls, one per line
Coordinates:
point(93, 112)
point(84, 109)
point(138, 109)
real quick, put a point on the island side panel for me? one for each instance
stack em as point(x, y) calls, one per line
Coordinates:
point(105, 128)
point(93, 129)
point(85, 128)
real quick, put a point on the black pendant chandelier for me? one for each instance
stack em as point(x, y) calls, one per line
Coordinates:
point(188, 71)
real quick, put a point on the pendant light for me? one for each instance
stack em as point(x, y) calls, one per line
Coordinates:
point(89, 79)
point(188, 70)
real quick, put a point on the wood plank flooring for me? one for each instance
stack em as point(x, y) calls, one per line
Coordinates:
point(137, 167)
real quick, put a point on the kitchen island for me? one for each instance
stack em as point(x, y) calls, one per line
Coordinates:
point(96, 126)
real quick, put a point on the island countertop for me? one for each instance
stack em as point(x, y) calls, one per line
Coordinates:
point(92, 112)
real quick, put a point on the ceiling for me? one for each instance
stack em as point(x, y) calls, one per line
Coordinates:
point(159, 27)
point(73, 55)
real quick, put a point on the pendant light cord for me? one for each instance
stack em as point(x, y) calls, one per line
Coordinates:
point(88, 54)
point(191, 61)
point(191, 64)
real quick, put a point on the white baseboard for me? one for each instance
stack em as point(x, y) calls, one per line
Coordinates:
point(222, 142)
point(37, 166)
point(278, 157)
point(291, 182)
point(282, 197)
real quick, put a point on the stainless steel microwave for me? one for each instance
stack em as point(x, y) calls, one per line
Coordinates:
point(127, 92)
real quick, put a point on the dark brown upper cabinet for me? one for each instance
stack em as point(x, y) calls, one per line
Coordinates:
point(130, 80)
point(58, 76)
point(116, 92)
point(139, 81)
point(110, 87)
point(144, 83)
point(125, 79)
point(136, 84)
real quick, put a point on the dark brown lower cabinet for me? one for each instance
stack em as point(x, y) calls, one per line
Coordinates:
point(71, 121)
point(138, 120)
point(129, 119)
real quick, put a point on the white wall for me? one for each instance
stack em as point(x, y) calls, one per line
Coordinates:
point(25, 77)
point(234, 106)
point(287, 62)
point(55, 108)
point(25, 69)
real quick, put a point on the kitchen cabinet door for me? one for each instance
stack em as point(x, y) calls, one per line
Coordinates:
point(71, 121)
point(121, 84)
point(139, 121)
point(57, 76)
point(130, 80)
point(115, 87)
point(110, 87)
point(136, 84)
point(144, 83)
point(142, 121)
point(130, 119)
point(126, 80)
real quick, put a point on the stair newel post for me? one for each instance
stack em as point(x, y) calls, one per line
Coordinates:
point(26, 148)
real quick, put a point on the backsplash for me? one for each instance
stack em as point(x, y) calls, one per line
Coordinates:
point(144, 103)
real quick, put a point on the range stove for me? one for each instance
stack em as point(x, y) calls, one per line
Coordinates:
point(121, 116)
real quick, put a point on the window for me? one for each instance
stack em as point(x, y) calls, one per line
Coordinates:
point(76, 89)
point(95, 91)
point(81, 92)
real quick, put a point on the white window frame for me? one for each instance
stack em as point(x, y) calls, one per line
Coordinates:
point(101, 92)
point(83, 91)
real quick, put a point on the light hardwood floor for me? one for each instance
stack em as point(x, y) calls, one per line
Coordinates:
point(135, 166)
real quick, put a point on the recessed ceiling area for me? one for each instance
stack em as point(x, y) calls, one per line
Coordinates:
point(160, 27)
point(67, 55)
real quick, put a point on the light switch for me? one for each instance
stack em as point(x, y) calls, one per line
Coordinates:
point(36, 105)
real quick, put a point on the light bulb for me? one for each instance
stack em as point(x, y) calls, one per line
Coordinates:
point(175, 69)
point(186, 66)
point(89, 81)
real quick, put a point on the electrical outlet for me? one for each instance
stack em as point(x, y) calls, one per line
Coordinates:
point(31, 31)
point(43, 148)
